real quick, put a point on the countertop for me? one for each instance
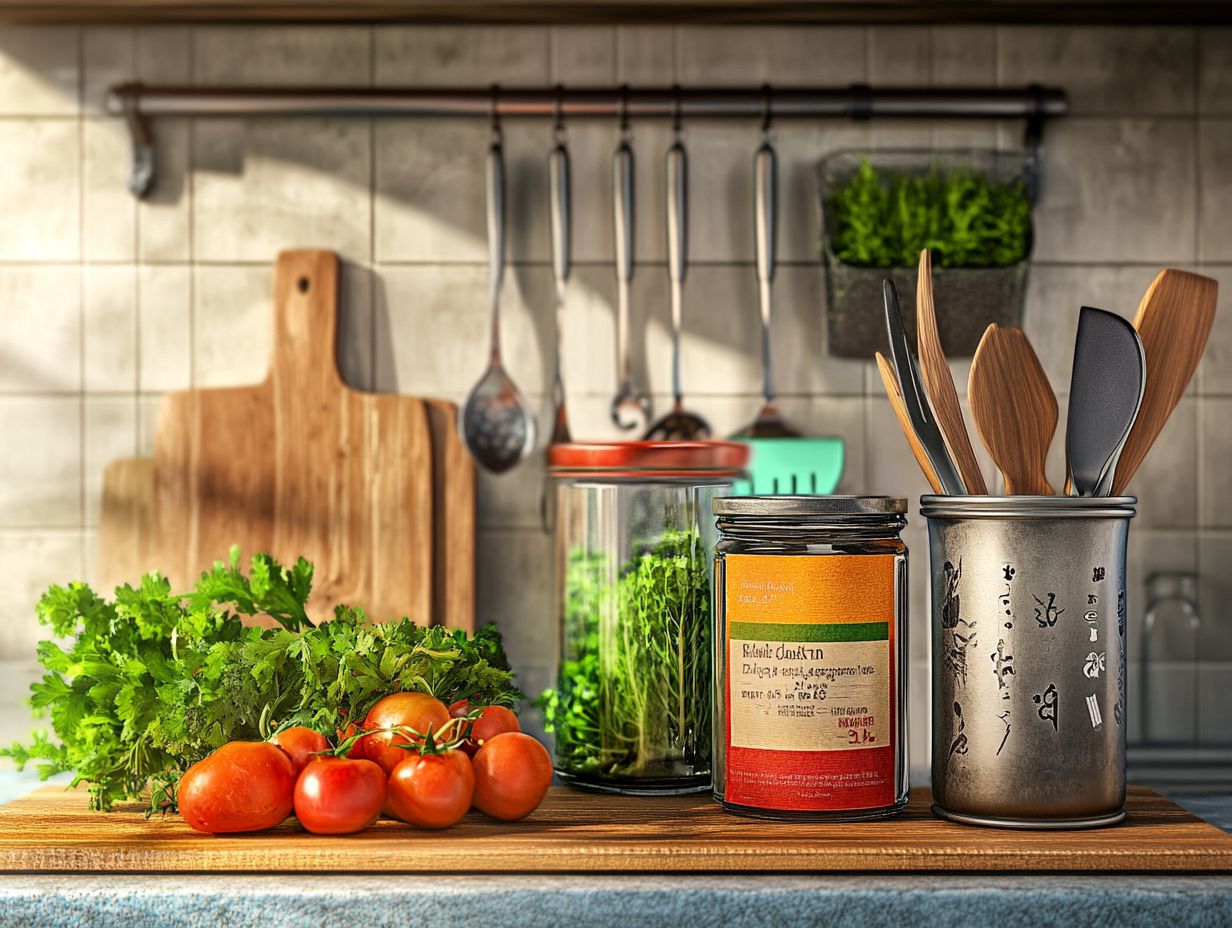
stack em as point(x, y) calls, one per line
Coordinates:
point(449, 900)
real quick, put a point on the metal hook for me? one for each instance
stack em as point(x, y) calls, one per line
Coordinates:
point(558, 115)
point(498, 135)
point(141, 170)
point(677, 117)
point(766, 111)
point(625, 133)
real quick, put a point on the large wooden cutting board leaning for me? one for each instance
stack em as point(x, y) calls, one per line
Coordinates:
point(374, 489)
point(52, 831)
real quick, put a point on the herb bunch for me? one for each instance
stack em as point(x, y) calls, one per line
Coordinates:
point(633, 695)
point(964, 217)
point(153, 681)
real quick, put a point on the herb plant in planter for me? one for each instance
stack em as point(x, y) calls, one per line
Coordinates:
point(972, 209)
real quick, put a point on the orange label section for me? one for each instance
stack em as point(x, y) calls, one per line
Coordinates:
point(837, 588)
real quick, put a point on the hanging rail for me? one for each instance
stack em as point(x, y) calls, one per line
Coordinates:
point(138, 103)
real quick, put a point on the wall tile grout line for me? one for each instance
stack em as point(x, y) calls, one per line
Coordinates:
point(82, 270)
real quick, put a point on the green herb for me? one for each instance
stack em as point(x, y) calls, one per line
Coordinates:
point(967, 219)
point(633, 694)
point(154, 681)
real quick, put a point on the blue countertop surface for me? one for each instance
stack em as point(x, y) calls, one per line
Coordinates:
point(537, 901)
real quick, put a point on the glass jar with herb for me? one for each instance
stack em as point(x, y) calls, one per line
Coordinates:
point(634, 542)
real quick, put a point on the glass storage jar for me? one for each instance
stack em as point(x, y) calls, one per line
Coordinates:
point(633, 547)
point(810, 657)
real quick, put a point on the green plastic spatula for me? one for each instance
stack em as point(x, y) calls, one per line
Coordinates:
point(793, 465)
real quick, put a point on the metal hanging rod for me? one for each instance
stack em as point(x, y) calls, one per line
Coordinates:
point(138, 103)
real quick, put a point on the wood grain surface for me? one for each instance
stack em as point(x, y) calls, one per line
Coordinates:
point(890, 382)
point(301, 464)
point(1014, 408)
point(51, 831)
point(125, 524)
point(1174, 321)
point(940, 381)
point(453, 520)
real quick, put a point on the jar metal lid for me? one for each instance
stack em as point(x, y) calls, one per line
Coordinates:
point(804, 506)
point(686, 457)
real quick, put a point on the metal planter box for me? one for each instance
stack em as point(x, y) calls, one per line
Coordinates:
point(967, 298)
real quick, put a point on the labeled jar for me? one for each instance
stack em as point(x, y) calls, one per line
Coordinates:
point(634, 548)
point(810, 656)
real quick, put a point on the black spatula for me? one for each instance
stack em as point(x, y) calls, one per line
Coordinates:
point(1104, 397)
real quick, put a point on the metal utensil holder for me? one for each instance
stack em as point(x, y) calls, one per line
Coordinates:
point(1029, 675)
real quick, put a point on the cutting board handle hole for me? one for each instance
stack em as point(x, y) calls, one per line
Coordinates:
point(302, 285)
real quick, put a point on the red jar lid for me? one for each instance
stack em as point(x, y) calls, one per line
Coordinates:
point(650, 458)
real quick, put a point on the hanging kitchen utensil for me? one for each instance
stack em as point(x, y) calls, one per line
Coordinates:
point(940, 382)
point(1105, 395)
point(677, 425)
point(558, 180)
point(497, 424)
point(1174, 321)
point(769, 423)
point(1014, 408)
point(629, 410)
point(890, 382)
point(910, 388)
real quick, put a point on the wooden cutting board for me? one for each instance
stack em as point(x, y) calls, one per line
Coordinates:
point(51, 830)
point(453, 520)
point(301, 464)
point(126, 547)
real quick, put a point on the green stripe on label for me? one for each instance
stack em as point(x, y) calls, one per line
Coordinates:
point(810, 631)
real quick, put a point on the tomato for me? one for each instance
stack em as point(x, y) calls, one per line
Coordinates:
point(357, 746)
point(409, 710)
point(493, 721)
point(512, 774)
point(431, 790)
point(339, 796)
point(460, 708)
point(300, 743)
point(243, 786)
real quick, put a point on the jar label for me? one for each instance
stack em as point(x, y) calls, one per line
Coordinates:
point(810, 681)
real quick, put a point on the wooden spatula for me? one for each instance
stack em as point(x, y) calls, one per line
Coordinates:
point(1174, 321)
point(940, 382)
point(900, 410)
point(1014, 408)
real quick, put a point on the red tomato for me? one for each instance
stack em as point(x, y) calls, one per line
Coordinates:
point(300, 743)
point(409, 710)
point(458, 709)
point(493, 721)
point(243, 786)
point(339, 796)
point(431, 790)
point(357, 746)
point(512, 774)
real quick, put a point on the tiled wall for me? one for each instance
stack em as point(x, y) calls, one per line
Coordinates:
point(106, 303)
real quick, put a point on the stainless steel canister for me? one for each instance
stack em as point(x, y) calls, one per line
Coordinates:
point(1028, 610)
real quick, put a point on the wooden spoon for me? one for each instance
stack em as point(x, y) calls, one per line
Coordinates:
point(890, 381)
point(1014, 408)
point(1174, 321)
point(940, 382)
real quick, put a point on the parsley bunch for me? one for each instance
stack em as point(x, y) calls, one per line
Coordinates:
point(153, 681)
point(967, 219)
